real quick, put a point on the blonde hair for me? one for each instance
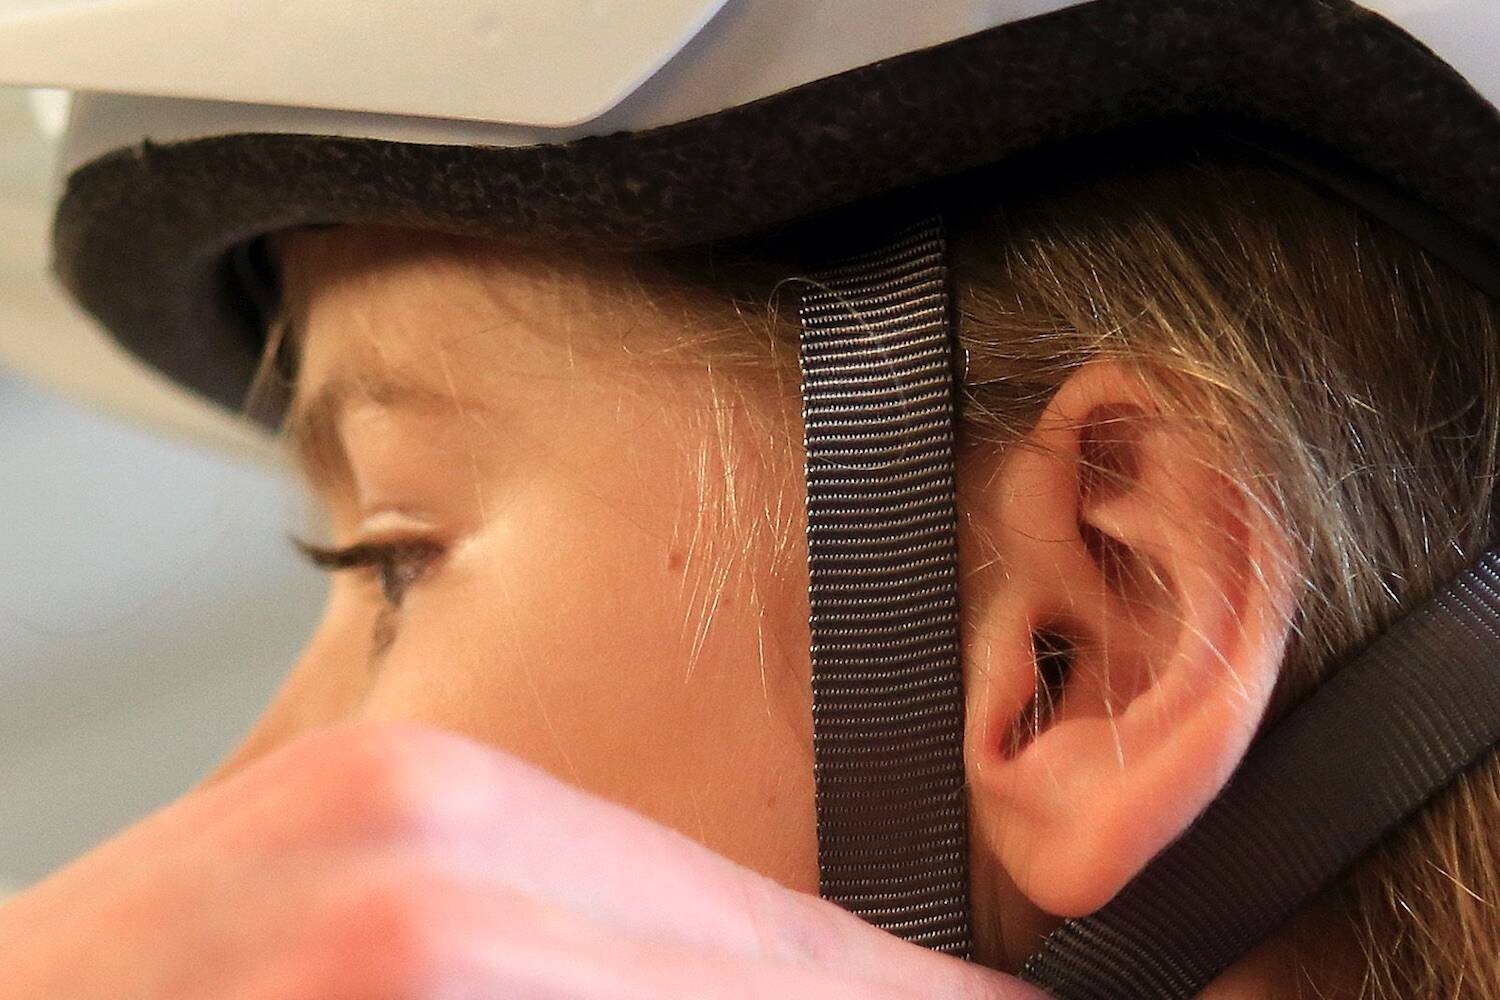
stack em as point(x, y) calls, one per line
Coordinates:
point(1353, 385)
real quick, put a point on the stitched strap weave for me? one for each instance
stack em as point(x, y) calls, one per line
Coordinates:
point(877, 390)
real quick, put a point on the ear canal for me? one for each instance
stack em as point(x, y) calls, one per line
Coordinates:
point(1053, 649)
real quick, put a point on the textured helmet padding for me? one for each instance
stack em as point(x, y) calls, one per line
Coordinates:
point(145, 237)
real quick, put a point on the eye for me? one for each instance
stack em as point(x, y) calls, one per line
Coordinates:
point(394, 565)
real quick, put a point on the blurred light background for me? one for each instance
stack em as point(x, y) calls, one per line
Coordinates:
point(149, 601)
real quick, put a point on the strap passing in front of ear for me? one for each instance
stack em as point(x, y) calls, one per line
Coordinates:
point(1392, 728)
point(877, 391)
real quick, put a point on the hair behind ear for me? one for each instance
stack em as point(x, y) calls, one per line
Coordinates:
point(1355, 385)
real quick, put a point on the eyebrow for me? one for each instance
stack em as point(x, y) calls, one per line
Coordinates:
point(313, 425)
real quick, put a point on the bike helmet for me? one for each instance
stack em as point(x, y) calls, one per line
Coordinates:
point(199, 127)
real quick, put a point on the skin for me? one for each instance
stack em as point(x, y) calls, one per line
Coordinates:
point(604, 608)
point(564, 620)
point(371, 842)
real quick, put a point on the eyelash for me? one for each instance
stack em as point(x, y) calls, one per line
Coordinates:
point(396, 565)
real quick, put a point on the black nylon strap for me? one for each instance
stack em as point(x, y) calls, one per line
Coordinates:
point(1389, 730)
point(877, 391)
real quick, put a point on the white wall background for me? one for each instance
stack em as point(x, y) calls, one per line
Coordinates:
point(149, 601)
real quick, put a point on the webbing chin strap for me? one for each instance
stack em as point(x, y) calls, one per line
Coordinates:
point(877, 397)
point(1391, 728)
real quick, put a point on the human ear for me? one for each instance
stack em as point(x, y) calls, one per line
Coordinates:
point(1126, 617)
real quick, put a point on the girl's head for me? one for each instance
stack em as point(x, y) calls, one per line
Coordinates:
point(1218, 430)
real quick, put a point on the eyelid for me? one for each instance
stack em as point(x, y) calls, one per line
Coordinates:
point(360, 554)
point(401, 562)
point(378, 536)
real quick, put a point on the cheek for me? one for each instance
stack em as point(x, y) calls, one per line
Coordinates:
point(580, 631)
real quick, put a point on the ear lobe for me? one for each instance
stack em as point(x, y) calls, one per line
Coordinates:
point(1133, 615)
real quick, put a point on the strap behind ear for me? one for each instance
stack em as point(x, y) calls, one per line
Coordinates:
point(1392, 728)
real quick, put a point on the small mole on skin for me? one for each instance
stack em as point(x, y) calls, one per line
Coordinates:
point(675, 559)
